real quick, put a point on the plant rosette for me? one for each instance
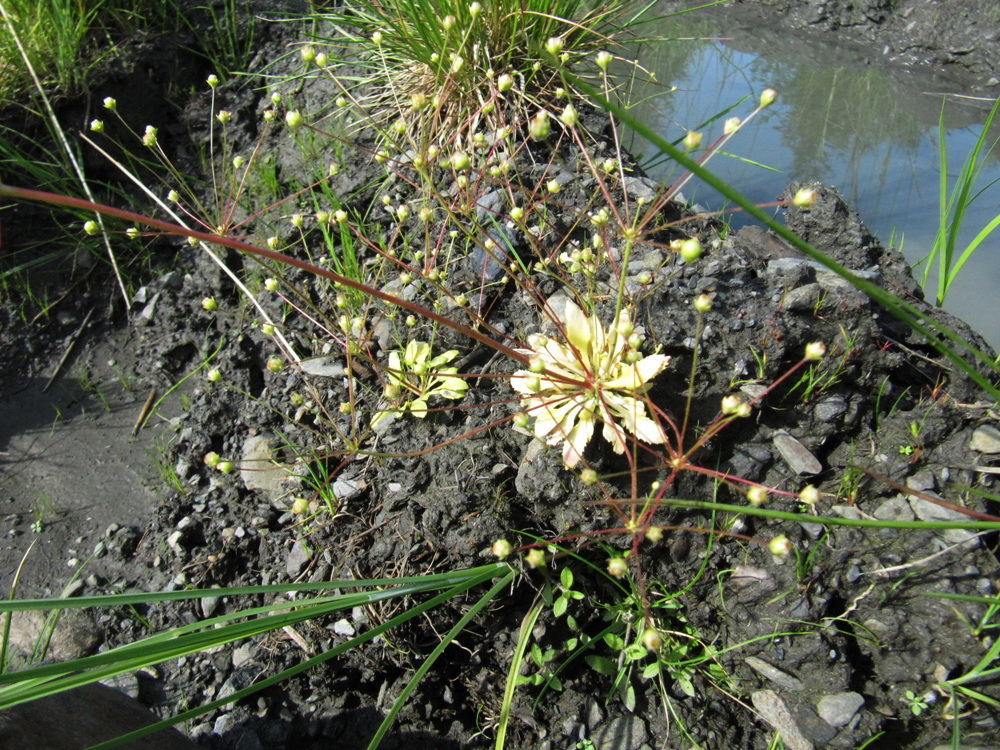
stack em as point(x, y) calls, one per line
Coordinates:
point(421, 376)
point(572, 386)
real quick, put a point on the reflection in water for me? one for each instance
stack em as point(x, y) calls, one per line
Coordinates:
point(870, 131)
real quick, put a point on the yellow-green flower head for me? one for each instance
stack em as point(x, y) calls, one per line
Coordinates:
point(588, 379)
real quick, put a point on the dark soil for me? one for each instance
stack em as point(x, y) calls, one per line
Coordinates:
point(893, 427)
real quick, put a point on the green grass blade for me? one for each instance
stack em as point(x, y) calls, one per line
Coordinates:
point(433, 657)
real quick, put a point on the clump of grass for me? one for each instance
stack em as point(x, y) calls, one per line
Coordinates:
point(454, 65)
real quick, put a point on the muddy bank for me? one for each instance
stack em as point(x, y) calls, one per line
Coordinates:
point(824, 647)
point(959, 37)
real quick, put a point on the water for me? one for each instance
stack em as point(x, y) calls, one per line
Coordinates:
point(869, 131)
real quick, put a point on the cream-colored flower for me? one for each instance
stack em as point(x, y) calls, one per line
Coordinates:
point(416, 376)
point(574, 385)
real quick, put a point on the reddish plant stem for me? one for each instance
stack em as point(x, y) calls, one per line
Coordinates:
point(55, 199)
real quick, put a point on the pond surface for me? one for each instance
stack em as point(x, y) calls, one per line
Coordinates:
point(870, 130)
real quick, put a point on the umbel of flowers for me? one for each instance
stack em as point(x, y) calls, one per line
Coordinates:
point(595, 375)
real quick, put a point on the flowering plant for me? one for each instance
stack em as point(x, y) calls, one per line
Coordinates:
point(595, 376)
point(418, 374)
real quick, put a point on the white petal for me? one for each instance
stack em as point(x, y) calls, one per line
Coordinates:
point(639, 373)
point(578, 331)
point(577, 439)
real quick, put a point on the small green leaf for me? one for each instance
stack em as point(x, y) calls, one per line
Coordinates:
point(559, 606)
point(566, 578)
point(651, 670)
point(536, 655)
point(614, 641)
point(628, 697)
point(635, 652)
point(601, 664)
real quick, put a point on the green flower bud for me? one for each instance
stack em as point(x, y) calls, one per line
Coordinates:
point(460, 161)
point(275, 363)
point(588, 477)
point(210, 304)
point(501, 549)
point(569, 117)
point(617, 566)
point(809, 495)
point(91, 228)
point(521, 419)
point(535, 558)
point(149, 137)
point(815, 350)
point(224, 116)
point(267, 329)
point(767, 97)
point(603, 59)
point(780, 546)
point(132, 233)
point(691, 250)
point(554, 46)
point(299, 506)
point(212, 80)
point(539, 126)
point(505, 83)
point(308, 54)
point(214, 375)
point(97, 126)
point(226, 467)
point(651, 639)
point(321, 59)
point(703, 303)
point(294, 119)
point(692, 140)
point(110, 103)
point(757, 495)
point(212, 459)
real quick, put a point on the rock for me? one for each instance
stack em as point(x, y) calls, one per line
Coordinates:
point(894, 509)
point(796, 455)
point(344, 627)
point(74, 637)
point(775, 712)
point(985, 439)
point(775, 675)
point(621, 733)
point(838, 709)
point(804, 297)
point(83, 717)
point(928, 511)
point(260, 471)
point(323, 367)
point(830, 408)
point(297, 558)
point(209, 604)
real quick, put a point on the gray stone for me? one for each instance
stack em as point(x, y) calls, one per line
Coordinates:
point(894, 509)
point(922, 480)
point(838, 709)
point(260, 471)
point(298, 558)
point(796, 455)
point(985, 439)
point(83, 717)
point(928, 511)
point(74, 637)
point(775, 712)
point(830, 408)
point(209, 604)
point(621, 733)
point(323, 367)
point(344, 627)
point(775, 675)
point(804, 297)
